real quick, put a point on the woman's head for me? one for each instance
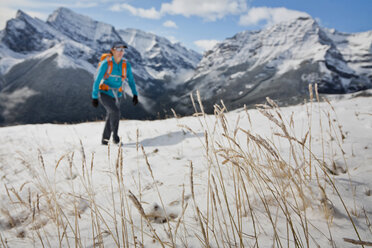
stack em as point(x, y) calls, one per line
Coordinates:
point(117, 50)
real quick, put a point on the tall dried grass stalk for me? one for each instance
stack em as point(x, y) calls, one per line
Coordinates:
point(170, 233)
point(206, 240)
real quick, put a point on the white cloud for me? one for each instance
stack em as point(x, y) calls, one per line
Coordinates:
point(20, 4)
point(144, 13)
point(268, 15)
point(81, 5)
point(207, 9)
point(12, 100)
point(205, 45)
point(170, 24)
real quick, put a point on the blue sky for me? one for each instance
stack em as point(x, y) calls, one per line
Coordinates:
point(198, 24)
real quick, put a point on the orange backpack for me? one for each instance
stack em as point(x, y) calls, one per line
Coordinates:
point(108, 57)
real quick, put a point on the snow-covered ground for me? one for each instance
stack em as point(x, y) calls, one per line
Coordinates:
point(229, 180)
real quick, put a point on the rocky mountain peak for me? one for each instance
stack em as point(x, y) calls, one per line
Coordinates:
point(82, 28)
point(163, 59)
point(24, 34)
point(22, 15)
point(64, 13)
point(98, 36)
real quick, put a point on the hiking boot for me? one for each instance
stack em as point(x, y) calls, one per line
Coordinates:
point(104, 142)
point(116, 140)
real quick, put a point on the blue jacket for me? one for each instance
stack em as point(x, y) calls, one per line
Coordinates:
point(114, 81)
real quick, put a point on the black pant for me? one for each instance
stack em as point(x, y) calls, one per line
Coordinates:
point(112, 117)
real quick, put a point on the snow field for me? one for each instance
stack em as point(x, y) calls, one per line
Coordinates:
point(269, 177)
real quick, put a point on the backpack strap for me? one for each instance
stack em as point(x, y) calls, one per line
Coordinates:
point(123, 70)
point(109, 67)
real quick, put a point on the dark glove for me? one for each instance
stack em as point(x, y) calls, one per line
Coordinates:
point(95, 103)
point(135, 100)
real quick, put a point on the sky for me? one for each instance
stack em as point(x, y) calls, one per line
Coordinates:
point(199, 24)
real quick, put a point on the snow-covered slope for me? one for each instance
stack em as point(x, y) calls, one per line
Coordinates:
point(164, 59)
point(61, 188)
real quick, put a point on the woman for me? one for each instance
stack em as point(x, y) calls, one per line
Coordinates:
point(107, 87)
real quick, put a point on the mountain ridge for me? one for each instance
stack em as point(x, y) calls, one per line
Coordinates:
point(278, 61)
point(246, 68)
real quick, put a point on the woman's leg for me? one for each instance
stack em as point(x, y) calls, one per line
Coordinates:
point(107, 130)
point(112, 118)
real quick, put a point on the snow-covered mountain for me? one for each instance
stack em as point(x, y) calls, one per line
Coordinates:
point(164, 59)
point(356, 49)
point(96, 35)
point(46, 68)
point(45, 63)
point(280, 61)
point(25, 34)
